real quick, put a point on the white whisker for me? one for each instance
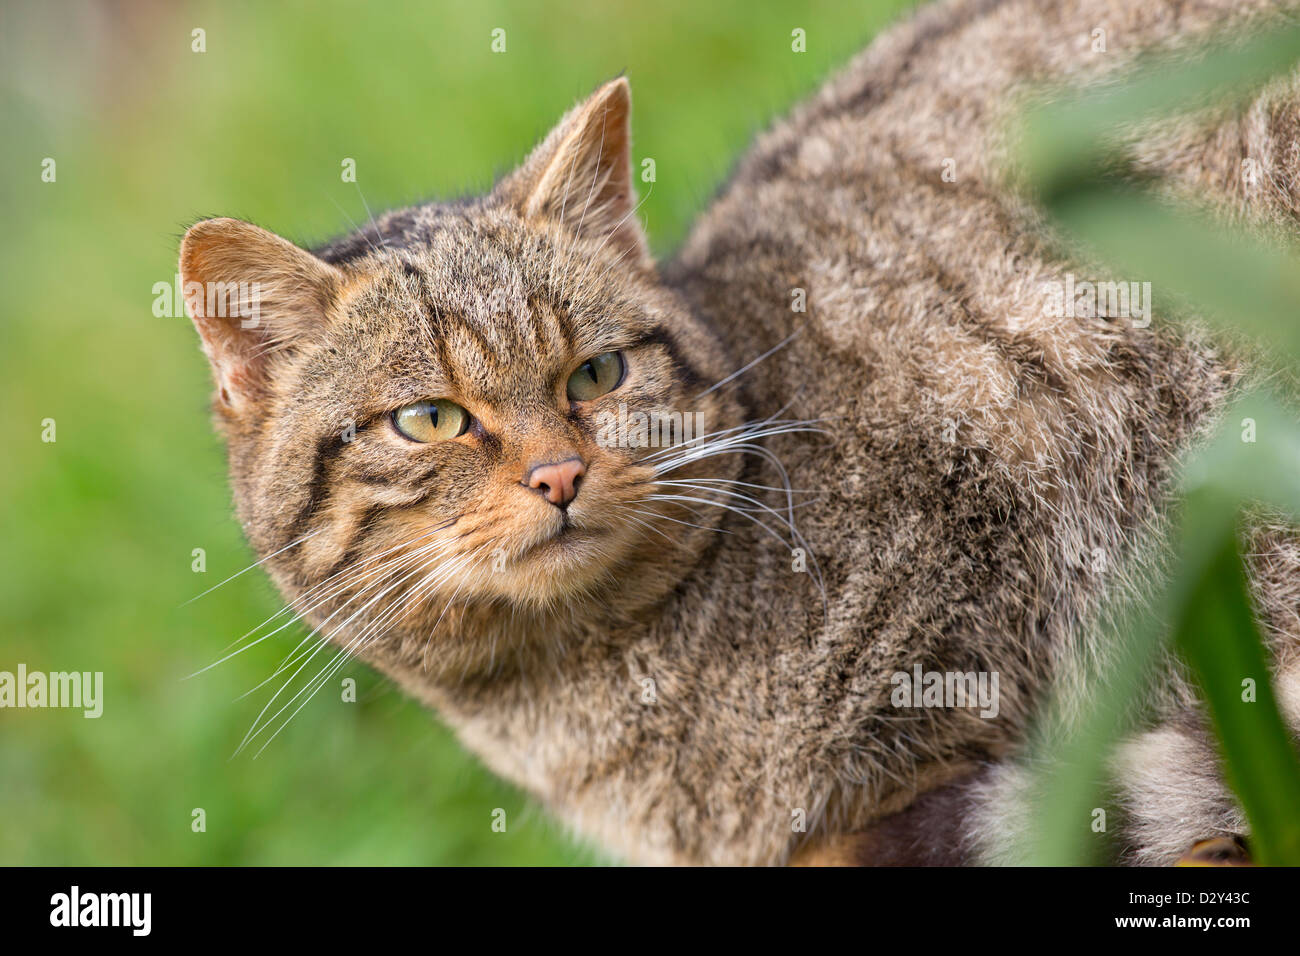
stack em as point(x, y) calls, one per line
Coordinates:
point(255, 564)
point(745, 368)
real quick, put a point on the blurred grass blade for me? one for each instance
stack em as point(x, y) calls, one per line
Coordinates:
point(1254, 456)
point(1238, 282)
point(1071, 772)
point(1216, 633)
point(1234, 280)
point(1068, 141)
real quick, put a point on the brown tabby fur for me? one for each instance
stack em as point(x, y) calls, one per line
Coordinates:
point(975, 453)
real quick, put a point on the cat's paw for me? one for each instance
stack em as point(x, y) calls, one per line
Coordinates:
point(1219, 851)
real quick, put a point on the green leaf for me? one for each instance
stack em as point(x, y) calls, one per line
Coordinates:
point(1236, 281)
point(1069, 140)
point(1071, 772)
point(1254, 455)
point(1216, 634)
point(1232, 279)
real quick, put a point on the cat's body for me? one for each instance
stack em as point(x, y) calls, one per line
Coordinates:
point(707, 699)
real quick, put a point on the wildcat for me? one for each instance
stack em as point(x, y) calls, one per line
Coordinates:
point(686, 648)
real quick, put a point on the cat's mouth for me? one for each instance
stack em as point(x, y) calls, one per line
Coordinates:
point(568, 545)
point(561, 561)
point(566, 536)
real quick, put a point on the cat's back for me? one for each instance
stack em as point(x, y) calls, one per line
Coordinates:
point(875, 226)
point(985, 448)
point(990, 462)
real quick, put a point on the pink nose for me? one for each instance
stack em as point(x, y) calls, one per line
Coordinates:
point(558, 482)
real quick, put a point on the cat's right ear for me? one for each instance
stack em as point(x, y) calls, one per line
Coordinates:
point(251, 294)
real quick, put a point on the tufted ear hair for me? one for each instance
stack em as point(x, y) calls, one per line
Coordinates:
point(250, 294)
point(581, 174)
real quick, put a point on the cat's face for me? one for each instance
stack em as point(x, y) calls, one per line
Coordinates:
point(474, 402)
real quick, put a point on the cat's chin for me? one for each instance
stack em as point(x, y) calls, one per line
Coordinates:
point(566, 565)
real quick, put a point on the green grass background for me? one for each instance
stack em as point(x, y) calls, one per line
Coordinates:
point(98, 527)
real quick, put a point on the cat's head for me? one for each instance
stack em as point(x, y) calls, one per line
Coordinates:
point(467, 402)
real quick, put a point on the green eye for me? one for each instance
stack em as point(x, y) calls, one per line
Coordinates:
point(431, 421)
point(596, 376)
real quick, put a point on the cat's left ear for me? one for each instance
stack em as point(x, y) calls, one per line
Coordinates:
point(581, 174)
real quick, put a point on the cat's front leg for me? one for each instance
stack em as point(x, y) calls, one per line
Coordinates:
point(1173, 805)
point(1220, 851)
point(934, 830)
point(1177, 807)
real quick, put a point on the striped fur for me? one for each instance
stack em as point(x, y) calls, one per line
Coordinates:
point(686, 692)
